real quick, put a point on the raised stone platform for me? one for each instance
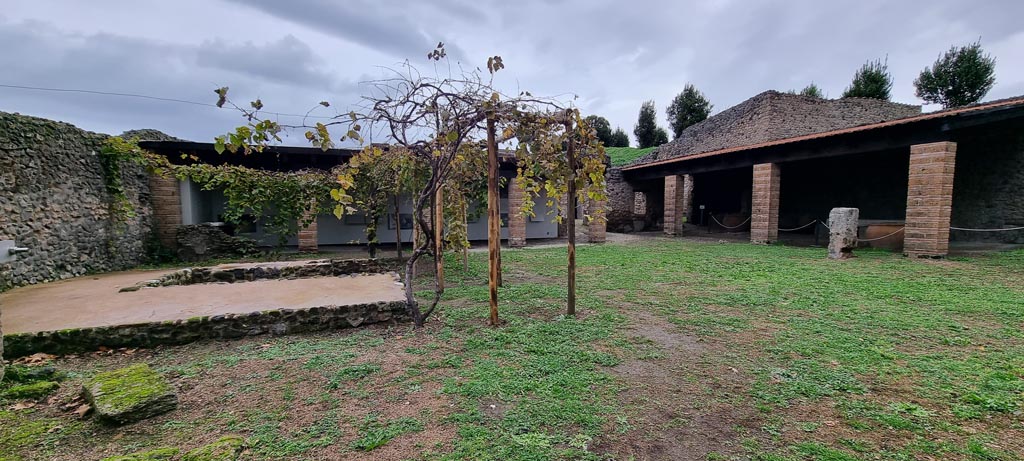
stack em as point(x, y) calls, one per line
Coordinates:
point(88, 312)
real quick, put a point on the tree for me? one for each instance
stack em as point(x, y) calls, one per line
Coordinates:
point(438, 123)
point(646, 128)
point(619, 138)
point(960, 77)
point(813, 91)
point(380, 176)
point(873, 80)
point(601, 127)
point(687, 108)
point(660, 136)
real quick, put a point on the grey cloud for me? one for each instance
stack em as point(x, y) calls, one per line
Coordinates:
point(613, 54)
point(47, 57)
point(288, 60)
point(392, 29)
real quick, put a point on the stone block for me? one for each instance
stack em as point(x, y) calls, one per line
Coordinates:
point(130, 394)
point(226, 448)
point(842, 238)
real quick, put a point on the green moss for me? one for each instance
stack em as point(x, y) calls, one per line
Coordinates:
point(120, 390)
point(159, 454)
point(29, 391)
point(225, 449)
point(619, 156)
point(18, 432)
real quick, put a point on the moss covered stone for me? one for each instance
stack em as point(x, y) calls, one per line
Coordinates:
point(23, 374)
point(34, 390)
point(159, 454)
point(225, 449)
point(129, 394)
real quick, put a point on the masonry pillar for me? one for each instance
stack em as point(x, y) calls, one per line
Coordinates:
point(673, 205)
point(764, 215)
point(687, 205)
point(516, 219)
point(929, 199)
point(597, 228)
point(308, 237)
point(678, 202)
point(166, 197)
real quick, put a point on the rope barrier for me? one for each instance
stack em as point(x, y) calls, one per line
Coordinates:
point(882, 237)
point(713, 218)
point(801, 227)
point(987, 230)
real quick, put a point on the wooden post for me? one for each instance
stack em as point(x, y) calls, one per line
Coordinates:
point(493, 219)
point(465, 225)
point(439, 236)
point(501, 281)
point(398, 228)
point(571, 217)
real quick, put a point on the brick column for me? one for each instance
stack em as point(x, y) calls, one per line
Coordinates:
point(764, 216)
point(673, 205)
point(929, 199)
point(308, 237)
point(598, 226)
point(687, 202)
point(516, 219)
point(166, 197)
point(678, 202)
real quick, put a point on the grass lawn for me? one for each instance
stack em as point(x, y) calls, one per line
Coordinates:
point(622, 155)
point(681, 351)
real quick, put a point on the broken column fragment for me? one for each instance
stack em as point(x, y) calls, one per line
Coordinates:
point(842, 238)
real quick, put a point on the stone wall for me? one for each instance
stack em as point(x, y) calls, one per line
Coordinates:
point(200, 242)
point(271, 271)
point(987, 189)
point(772, 115)
point(53, 200)
point(229, 326)
point(619, 207)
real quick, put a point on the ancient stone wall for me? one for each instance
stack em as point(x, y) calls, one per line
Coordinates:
point(620, 204)
point(772, 115)
point(228, 326)
point(54, 201)
point(271, 271)
point(987, 189)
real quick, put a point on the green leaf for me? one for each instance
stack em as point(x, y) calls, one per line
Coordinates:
point(218, 144)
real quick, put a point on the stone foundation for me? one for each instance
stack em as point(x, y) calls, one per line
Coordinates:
point(319, 268)
point(217, 327)
point(200, 242)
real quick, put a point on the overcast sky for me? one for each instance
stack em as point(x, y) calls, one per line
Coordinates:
point(612, 54)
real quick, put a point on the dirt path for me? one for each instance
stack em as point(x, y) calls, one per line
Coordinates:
point(683, 401)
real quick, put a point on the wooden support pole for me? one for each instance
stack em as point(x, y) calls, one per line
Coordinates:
point(571, 217)
point(493, 219)
point(439, 236)
point(398, 228)
point(465, 225)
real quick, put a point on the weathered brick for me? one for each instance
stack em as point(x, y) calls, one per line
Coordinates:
point(929, 199)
